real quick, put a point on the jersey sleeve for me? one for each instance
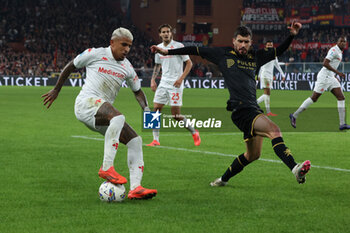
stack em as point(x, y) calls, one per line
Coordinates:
point(265, 55)
point(211, 54)
point(331, 54)
point(133, 80)
point(157, 58)
point(85, 58)
point(183, 57)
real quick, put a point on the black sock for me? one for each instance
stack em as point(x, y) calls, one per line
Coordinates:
point(236, 167)
point(283, 152)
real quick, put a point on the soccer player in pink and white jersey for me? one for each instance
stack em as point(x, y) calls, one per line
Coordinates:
point(106, 69)
point(326, 80)
point(170, 89)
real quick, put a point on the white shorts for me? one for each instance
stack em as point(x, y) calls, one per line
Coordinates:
point(85, 110)
point(171, 95)
point(266, 82)
point(325, 83)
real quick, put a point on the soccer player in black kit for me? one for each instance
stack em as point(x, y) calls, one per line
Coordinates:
point(238, 66)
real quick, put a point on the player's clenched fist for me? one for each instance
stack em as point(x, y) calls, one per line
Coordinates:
point(155, 49)
point(294, 28)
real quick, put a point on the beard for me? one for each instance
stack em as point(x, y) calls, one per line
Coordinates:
point(243, 51)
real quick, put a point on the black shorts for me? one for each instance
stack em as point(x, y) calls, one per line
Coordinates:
point(244, 119)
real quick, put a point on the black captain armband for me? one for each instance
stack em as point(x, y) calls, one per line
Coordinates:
point(191, 50)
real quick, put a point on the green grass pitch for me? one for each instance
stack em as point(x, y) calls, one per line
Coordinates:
point(49, 180)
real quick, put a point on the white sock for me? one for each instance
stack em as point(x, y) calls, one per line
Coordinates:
point(188, 126)
point(341, 111)
point(303, 107)
point(155, 134)
point(112, 141)
point(261, 99)
point(135, 161)
point(267, 103)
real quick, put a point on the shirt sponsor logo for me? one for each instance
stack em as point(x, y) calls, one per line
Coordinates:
point(110, 72)
point(230, 62)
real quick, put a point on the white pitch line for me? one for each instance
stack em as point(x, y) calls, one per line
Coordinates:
point(86, 137)
point(234, 133)
point(213, 134)
point(214, 153)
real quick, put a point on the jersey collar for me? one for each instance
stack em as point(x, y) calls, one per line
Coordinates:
point(110, 55)
point(170, 43)
point(336, 46)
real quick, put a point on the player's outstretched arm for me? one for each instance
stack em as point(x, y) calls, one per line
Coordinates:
point(190, 50)
point(141, 98)
point(156, 49)
point(50, 96)
point(294, 28)
point(264, 56)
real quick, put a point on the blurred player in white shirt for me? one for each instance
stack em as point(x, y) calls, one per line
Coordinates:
point(106, 70)
point(171, 85)
point(266, 78)
point(326, 80)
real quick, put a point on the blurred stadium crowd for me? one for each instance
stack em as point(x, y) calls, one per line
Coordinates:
point(40, 36)
point(323, 34)
point(49, 33)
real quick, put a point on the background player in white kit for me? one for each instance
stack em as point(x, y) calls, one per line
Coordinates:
point(266, 79)
point(171, 86)
point(326, 80)
point(106, 69)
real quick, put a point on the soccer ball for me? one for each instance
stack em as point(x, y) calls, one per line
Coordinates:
point(111, 192)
